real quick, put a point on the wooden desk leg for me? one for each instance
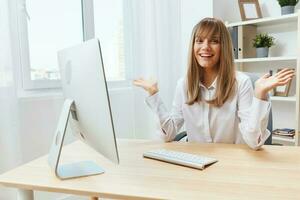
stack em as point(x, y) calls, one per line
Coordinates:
point(25, 195)
point(94, 198)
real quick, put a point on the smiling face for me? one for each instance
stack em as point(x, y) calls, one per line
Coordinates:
point(210, 55)
point(207, 51)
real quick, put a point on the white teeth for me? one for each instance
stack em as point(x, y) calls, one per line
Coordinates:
point(205, 55)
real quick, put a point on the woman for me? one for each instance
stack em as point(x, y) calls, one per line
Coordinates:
point(216, 103)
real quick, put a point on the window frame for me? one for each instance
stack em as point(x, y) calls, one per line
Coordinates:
point(88, 28)
point(27, 83)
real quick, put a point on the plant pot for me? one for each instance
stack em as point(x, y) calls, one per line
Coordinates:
point(262, 52)
point(285, 10)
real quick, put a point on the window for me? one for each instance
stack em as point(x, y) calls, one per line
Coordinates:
point(48, 26)
point(108, 18)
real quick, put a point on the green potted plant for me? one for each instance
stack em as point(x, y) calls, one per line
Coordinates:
point(262, 42)
point(287, 6)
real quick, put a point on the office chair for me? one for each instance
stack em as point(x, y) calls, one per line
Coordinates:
point(253, 78)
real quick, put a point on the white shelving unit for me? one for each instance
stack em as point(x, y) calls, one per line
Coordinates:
point(269, 59)
point(293, 59)
point(287, 99)
point(284, 141)
point(268, 21)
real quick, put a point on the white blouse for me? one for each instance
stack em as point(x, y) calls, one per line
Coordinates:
point(241, 119)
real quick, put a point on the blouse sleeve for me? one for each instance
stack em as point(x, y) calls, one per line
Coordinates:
point(170, 122)
point(253, 114)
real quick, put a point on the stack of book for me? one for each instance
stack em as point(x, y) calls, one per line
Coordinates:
point(284, 132)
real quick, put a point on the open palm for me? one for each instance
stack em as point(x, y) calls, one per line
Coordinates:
point(149, 85)
point(266, 83)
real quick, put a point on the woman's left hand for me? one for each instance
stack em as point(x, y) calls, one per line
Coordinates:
point(266, 83)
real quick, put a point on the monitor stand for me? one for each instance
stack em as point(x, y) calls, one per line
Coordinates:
point(72, 170)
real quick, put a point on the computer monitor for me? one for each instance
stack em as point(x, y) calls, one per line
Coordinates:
point(86, 108)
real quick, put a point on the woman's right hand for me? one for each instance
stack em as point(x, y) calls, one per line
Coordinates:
point(149, 85)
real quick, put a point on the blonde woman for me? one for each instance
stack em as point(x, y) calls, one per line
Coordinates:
point(215, 102)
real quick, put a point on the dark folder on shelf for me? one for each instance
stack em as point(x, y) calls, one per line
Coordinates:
point(234, 37)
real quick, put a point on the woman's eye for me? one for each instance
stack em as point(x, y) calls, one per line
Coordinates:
point(215, 41)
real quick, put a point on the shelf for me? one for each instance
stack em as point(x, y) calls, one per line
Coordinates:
point(287, 99)
point(282, 139)
point(268, 20)
point(268, 59)
point(286, 27)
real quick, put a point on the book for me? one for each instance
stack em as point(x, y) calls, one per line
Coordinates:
point(284, 132)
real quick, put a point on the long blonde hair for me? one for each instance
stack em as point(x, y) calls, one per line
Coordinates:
point(226, 83)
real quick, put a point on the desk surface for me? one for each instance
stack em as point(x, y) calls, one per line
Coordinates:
point(270, 173)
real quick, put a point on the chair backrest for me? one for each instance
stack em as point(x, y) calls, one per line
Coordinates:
point(254, 78)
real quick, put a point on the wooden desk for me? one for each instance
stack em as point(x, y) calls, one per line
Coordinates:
point(241, 173)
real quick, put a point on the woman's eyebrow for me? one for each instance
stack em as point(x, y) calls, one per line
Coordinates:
point(215, 37)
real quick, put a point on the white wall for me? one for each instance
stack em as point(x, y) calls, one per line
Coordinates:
point(39, 117)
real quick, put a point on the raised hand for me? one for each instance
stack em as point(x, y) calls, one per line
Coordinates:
point(266, 83)
point(149, 85)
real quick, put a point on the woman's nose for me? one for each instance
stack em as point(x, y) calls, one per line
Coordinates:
point(205, 44)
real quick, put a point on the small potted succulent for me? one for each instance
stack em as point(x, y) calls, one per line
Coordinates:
point(287, 6)
point(262, 42)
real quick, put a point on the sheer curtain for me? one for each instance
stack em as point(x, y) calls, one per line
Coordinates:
point(152, 49)
point(10, 155)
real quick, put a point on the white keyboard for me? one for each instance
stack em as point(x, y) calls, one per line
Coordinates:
point(180, 158)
